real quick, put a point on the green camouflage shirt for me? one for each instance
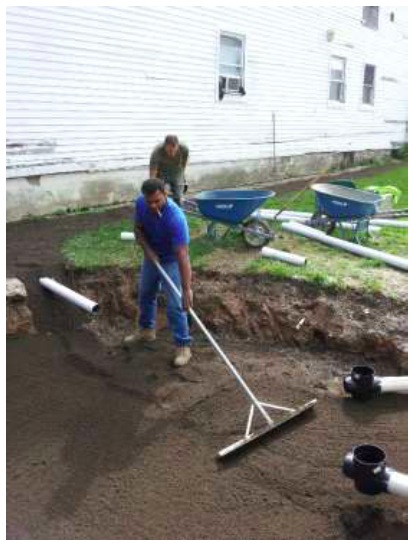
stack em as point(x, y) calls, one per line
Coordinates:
point(170, 169)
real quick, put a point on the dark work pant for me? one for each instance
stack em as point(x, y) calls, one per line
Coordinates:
point(176, 187)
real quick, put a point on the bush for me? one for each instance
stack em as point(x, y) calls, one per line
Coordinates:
point(400, 153)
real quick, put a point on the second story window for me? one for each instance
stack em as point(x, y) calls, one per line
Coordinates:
point(231, 65)
point(368, 84)
point(371, 17)
point(338, 79)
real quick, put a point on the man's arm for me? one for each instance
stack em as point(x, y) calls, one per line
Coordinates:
point(182, 256)
point(154, 165)
point(185, 155)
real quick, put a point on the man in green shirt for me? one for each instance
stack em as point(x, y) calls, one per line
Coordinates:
point(168, 163)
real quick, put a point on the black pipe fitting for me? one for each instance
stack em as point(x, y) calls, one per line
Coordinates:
point(366, 465)
point(362, 383)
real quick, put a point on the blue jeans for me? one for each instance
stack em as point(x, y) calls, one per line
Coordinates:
point(148, 289)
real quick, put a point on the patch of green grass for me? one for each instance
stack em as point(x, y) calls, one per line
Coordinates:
point(373, 285)
point(103, 247)
point(282, 270)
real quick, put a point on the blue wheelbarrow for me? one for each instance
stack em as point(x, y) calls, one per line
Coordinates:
point(341, 203)
point(230, 210)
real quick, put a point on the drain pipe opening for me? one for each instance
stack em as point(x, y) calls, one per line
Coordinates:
point(366, 465)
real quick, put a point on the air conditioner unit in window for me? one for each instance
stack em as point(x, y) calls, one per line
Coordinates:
point(230, 86)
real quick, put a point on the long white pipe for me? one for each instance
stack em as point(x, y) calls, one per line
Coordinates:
point(311, 233)
point(67, 294)
point(127, 236)
point(230, 366)
point(296, 260)
point(296, 216)
point(398, 483)
point(394, 384)
point(389, 223)
point(273, 214)
point(345, 225)
point(270, 214)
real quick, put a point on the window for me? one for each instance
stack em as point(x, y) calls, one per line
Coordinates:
point(371, 16)
point(231, 65)
point(368, 84)
point(337, 79)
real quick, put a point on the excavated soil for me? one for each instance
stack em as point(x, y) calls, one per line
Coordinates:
point(108, 443)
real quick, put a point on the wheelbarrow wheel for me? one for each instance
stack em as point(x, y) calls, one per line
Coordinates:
point(323, 222)
point(216, 230)
point(256, 233)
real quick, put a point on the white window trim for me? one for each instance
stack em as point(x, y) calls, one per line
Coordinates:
point(332, 103)
point(240, 36)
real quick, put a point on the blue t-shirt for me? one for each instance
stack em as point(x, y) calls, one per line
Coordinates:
point(163, 233)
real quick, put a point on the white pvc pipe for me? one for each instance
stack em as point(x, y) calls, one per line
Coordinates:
point(398, 484)
point(275, 254)
point(296, 216)
point(394, 384)
point(355, 248)
point(269, 214)
point(127, 236)
point(389, 222)
point(67, 294)
point(345, 225)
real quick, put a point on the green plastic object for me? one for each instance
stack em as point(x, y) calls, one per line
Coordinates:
point(392, 191)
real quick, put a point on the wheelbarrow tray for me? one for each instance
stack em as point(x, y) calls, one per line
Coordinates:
point(230, 206)
point(340, 202)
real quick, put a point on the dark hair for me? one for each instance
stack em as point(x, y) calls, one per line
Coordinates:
point(151, 186)
point(171, 139)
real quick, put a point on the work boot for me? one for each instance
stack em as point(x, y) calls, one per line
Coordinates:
point(182, 356)
point(143, 335)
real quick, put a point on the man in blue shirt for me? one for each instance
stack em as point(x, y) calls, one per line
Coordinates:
point(161, 229)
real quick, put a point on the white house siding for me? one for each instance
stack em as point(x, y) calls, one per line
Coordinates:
point(95, 88)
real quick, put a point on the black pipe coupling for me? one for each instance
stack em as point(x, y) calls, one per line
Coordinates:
point(362, 383)
point(366, 465)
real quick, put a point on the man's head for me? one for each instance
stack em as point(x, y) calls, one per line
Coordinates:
point(154, 194)
point(171, 145)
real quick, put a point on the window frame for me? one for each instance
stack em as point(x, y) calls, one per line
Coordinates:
point(333, 80)
point(228, 93)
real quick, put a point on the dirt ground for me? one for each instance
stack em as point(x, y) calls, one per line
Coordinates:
point(104, 443)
